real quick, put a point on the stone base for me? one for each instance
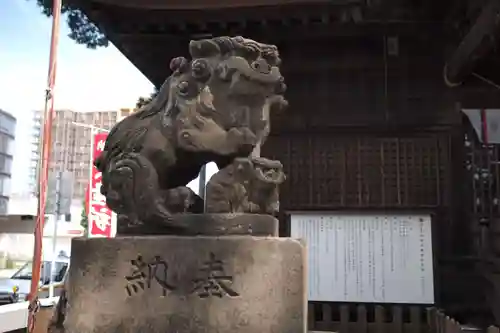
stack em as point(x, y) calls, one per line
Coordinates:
point(186, 284)
point(222, 224)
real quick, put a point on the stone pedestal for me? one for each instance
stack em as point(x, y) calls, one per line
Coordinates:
point(187, 284)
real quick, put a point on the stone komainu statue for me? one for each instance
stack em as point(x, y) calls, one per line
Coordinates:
point(213, 108)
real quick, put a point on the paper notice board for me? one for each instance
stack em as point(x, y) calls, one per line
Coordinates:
point(369, 258)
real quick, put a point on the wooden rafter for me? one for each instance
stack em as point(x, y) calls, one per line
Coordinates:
point(282, 31)
point(213, 4)
point(476, 44)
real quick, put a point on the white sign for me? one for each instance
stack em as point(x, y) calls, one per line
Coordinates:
point(367, 258)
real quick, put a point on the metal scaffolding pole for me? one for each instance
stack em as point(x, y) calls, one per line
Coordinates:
point(202, 181)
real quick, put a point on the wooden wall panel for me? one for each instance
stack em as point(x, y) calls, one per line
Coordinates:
point(331, 171)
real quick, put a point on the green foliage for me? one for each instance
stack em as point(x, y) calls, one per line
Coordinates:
point(9, 263)
point(84, 222)
point(145, 100)
point(82, 30)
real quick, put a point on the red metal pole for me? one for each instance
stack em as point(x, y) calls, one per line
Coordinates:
point(44, 172)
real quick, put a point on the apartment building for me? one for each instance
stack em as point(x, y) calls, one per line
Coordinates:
point(7, 138)
point(71, 143)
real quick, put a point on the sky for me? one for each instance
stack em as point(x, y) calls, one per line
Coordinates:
point(87, 80)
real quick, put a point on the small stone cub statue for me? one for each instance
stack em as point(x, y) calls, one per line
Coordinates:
point(248, 185)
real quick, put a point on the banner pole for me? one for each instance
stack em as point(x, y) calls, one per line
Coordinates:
point(93, 132)
point(44, 171)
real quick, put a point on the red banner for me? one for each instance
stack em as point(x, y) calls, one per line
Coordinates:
point(101, 219)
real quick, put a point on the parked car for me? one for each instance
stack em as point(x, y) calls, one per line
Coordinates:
point(17, 287)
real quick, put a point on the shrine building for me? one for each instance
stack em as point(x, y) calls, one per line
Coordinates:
point(392, 109)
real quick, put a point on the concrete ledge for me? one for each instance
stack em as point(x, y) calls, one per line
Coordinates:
point(15, 316)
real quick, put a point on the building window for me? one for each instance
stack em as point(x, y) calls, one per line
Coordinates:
point(5, 164)
point(7, 124)
point(4, 202)
point(5, 186)
point(6, 144)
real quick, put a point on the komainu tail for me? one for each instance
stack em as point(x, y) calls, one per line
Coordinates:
point(130, 184)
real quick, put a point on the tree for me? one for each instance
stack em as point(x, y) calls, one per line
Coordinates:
point(145, 100)
point(82, 30)
point(84, 222)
